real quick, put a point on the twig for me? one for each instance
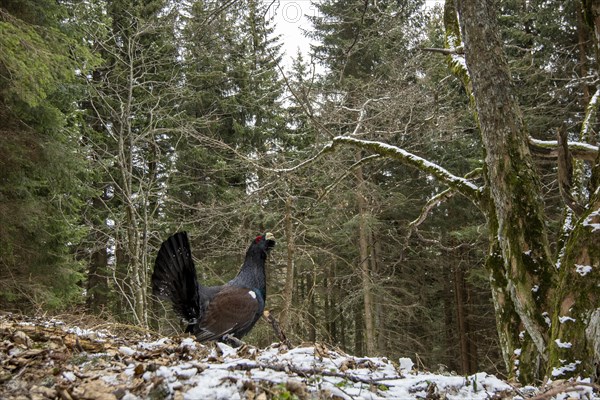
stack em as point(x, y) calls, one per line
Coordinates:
point(436, 200)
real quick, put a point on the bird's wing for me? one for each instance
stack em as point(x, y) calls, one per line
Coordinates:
point(233, 309)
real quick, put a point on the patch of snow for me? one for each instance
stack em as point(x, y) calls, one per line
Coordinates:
point(563, 345)
point(572, 144)
point(460, 60)
point(517, 352)
point(406, 364)
point(565, 368)
point(185, 371)
point(88, 333)
point(188, 343)
point(153, 345)
point(589, 115)
point(70, 376)
point(227, 350)
point(128, 351)
point(535, 288)
point(165, 372)
point(562, 320)
point(547, 318)
point(589, 221)
point(583, 270)
point(214, 389)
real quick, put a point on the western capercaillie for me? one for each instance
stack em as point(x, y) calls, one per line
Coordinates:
point(212, 312)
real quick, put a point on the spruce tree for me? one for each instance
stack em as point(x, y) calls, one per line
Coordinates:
point(42, 187)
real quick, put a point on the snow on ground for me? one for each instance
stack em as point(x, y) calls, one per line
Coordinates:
point(320, 371)
point(95, 364)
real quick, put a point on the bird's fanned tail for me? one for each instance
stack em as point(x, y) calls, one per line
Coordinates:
point(174, 277)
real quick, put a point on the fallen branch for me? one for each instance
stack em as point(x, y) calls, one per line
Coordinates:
point(307, 373)
point(564, 388)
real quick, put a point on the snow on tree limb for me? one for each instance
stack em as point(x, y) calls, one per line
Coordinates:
point(549, 149)
point(590, 114)
point(458, 183)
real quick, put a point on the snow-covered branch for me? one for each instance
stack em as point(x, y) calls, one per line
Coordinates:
point(590, 114)
point(549, 149)
point(458, 183)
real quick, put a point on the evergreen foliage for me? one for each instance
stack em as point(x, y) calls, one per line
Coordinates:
point(43, 171)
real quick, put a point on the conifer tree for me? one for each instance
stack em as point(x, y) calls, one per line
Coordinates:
point(42, 189)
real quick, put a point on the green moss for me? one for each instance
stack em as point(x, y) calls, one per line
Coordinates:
point(580, 294)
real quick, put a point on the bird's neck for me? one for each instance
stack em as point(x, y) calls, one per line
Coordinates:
point(251, 275)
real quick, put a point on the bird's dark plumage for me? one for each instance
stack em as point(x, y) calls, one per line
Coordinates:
point(215, 311)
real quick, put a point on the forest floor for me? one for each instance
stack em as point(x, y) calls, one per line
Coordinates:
point(44, 358)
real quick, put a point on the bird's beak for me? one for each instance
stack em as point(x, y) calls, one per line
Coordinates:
point(269, 236)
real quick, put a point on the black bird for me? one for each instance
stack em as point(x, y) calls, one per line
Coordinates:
point(214, 312)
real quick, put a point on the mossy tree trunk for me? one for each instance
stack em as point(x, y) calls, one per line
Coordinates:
point(575, 340)
point(527, 267)
point(524, 278)
point(517, 348)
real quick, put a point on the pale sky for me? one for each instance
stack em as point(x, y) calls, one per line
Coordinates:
point(290, 19)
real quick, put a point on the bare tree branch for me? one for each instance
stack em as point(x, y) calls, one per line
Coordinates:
point(446, 52)
point(430, 205)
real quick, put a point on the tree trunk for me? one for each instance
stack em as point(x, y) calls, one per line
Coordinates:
point(289, 272)
point(582, 38)
point(575, 345)
point(450, 324)
point(378, 296)
point(359, 330)
point(364, 263)
point(97, 279)
point(575, 337)
point(312, 304)
point(461, 319)
point(524, 275)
